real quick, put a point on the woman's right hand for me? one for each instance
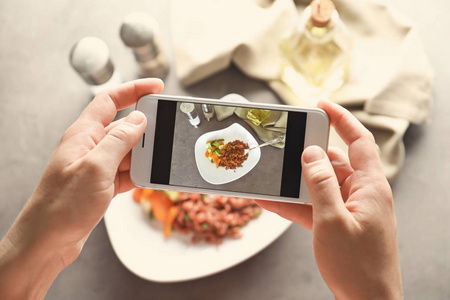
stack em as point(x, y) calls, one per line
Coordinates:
point(352, 214)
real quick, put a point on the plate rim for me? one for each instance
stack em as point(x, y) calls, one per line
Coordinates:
point(120, 255)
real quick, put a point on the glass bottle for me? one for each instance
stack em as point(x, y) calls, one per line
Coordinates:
point(208, 111)
point(139, 31)
point(316, 53)
point(91, 59)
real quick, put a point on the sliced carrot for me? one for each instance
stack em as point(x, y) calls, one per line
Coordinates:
point(161, 204)
point(171, 216)
point(147, 193)
point(220, 143)
point(137, 194)
point(216, 159)
point(207, 153)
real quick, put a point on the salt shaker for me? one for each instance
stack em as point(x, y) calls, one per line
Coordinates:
point(189, 111)
point(139, 31)
point(90, 57)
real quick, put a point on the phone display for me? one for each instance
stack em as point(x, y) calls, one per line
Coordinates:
point(223, 147)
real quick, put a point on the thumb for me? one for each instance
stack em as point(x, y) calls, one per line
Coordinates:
point(321, 181)
point(120, 140)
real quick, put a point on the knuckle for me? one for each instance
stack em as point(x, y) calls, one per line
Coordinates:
point(121, 132)
point(321, 176)
point(368, 136)
point(91, 167)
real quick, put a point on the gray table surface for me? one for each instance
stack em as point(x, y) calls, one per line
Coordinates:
point(40, 96)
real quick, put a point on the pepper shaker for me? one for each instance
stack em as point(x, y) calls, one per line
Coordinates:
point(208, 111)
point(139, 31)
point(90, 58)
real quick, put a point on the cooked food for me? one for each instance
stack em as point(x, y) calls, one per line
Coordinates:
point(233, 155)
point(213, 150)
point(230, 156)
point(210, 218)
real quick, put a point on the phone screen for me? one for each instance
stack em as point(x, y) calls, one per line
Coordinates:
point(215, 147)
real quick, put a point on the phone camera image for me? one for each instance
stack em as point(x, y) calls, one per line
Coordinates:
point(228, 148)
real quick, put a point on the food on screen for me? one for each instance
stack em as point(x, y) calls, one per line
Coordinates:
point(230, 155)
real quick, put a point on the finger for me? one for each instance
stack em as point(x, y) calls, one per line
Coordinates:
point(125, 163)
point(113, 124)
point(362, 150)
point(341, 164)
point(322, 182)
point(105, 105)
point(124, 183)
point(112, 149)
point(298, 213)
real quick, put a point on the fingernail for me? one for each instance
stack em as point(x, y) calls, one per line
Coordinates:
point(312, 154)
point(135, 118)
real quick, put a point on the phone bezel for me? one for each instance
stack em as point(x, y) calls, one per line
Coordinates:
point(317, 132)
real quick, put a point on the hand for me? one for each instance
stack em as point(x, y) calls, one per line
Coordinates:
point(89, 167)
point(352, 214)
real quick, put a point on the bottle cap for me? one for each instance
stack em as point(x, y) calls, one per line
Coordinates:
point(321, 11)
point(187, 108)
point(138, 31)
point(90, 58)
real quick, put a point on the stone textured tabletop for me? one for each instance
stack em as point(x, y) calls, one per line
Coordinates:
point(40, 96)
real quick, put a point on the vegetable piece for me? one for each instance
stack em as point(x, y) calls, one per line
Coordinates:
point(173, 195)
point(137, 193)
point(171, 216)
point(216, 159)
point(146, 205)
point(161, 204)
point(147, 193)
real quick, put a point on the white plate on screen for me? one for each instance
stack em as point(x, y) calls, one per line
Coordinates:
point(140, 245)
point(220, 175)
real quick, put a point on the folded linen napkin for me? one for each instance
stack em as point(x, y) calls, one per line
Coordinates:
point(390, 80)
point(270, 128)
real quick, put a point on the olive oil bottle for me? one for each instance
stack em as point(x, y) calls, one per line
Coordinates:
point(316, 53)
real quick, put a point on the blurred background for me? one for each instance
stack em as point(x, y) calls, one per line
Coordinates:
point(41, 95)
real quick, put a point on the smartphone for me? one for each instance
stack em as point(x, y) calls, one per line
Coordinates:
point(239, 149)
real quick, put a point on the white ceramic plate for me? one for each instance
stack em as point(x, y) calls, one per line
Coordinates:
point(220, 175)
point(140, 245)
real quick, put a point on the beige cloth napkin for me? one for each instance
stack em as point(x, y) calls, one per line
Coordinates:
point(270, 128)
point(390, 80)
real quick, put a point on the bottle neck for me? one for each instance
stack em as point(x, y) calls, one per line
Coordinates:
point(322, 32)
